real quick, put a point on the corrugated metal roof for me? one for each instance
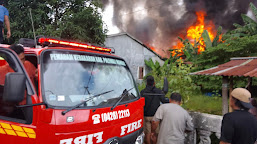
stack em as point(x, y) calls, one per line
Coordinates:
point(245, 66)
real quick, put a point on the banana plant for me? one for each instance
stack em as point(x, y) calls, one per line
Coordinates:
point(207, 40)
point(248, 29)
point(154, 66)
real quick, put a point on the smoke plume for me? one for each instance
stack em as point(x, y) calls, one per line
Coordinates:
point(159, 23)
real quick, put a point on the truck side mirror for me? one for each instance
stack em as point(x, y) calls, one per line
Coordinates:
point(165, 88)
point(14, 87)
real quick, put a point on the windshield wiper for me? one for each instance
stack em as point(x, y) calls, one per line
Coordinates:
point(86, 87)
point(124, 93)
point(31, 105)
point(76, 106)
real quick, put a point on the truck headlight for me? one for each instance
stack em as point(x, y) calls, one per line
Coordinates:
point(140, 138)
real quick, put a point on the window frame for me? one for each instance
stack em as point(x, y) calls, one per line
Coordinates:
point(141, 72)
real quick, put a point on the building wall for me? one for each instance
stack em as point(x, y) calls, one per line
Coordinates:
point(132, 52)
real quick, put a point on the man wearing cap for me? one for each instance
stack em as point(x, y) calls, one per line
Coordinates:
point(239, 126)
point(4, 18)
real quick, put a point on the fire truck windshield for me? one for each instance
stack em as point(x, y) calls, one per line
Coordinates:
point(69, 78)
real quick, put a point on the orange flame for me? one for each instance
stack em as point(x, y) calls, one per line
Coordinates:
point(194, 32)
point(151, 47)
point(178, 49)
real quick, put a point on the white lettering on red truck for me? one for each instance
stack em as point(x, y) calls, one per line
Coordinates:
point(110, 116)
point(131, 127)
point(86, 139)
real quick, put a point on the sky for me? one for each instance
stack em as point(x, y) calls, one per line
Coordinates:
point(159, 23)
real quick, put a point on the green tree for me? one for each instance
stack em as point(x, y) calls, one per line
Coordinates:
point(78, 20)
point(20, 21)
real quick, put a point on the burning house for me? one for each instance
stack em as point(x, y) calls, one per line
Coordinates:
point(133, 52)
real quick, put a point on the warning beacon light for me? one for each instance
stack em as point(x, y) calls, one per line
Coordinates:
point(44, 40)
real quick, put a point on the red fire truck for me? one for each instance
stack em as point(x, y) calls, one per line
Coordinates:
point(84, 94)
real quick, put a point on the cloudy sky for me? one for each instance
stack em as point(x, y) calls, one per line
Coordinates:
point(159, 23)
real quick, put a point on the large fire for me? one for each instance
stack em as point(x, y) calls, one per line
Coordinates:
point(195, 31)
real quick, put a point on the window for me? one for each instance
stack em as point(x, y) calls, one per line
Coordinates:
point(68, 78)
point(33, 69)
point(140, 72)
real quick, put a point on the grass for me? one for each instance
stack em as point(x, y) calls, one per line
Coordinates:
point(204, 104)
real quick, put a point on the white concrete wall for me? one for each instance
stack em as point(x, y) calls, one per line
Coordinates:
point(132, 52)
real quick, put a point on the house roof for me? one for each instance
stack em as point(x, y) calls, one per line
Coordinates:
point(241, 66)
point(124, 33)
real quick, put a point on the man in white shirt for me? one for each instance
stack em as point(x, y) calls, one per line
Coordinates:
point(174, 122)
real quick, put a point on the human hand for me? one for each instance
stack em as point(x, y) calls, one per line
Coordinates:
point(154, 138)
point(8, 34)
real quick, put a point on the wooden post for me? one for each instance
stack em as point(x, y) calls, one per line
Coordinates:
point(224, 95)
point(230, 90)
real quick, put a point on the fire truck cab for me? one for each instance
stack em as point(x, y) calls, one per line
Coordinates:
point(83, 95)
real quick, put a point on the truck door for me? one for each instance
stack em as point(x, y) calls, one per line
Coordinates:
point(16, 124)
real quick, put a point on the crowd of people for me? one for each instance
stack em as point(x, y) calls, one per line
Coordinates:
point(167, 123)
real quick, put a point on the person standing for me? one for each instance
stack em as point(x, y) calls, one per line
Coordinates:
point(4, 18)
point(30, 68)
point(239, 126)
point(153, 96)
point(174, 122)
